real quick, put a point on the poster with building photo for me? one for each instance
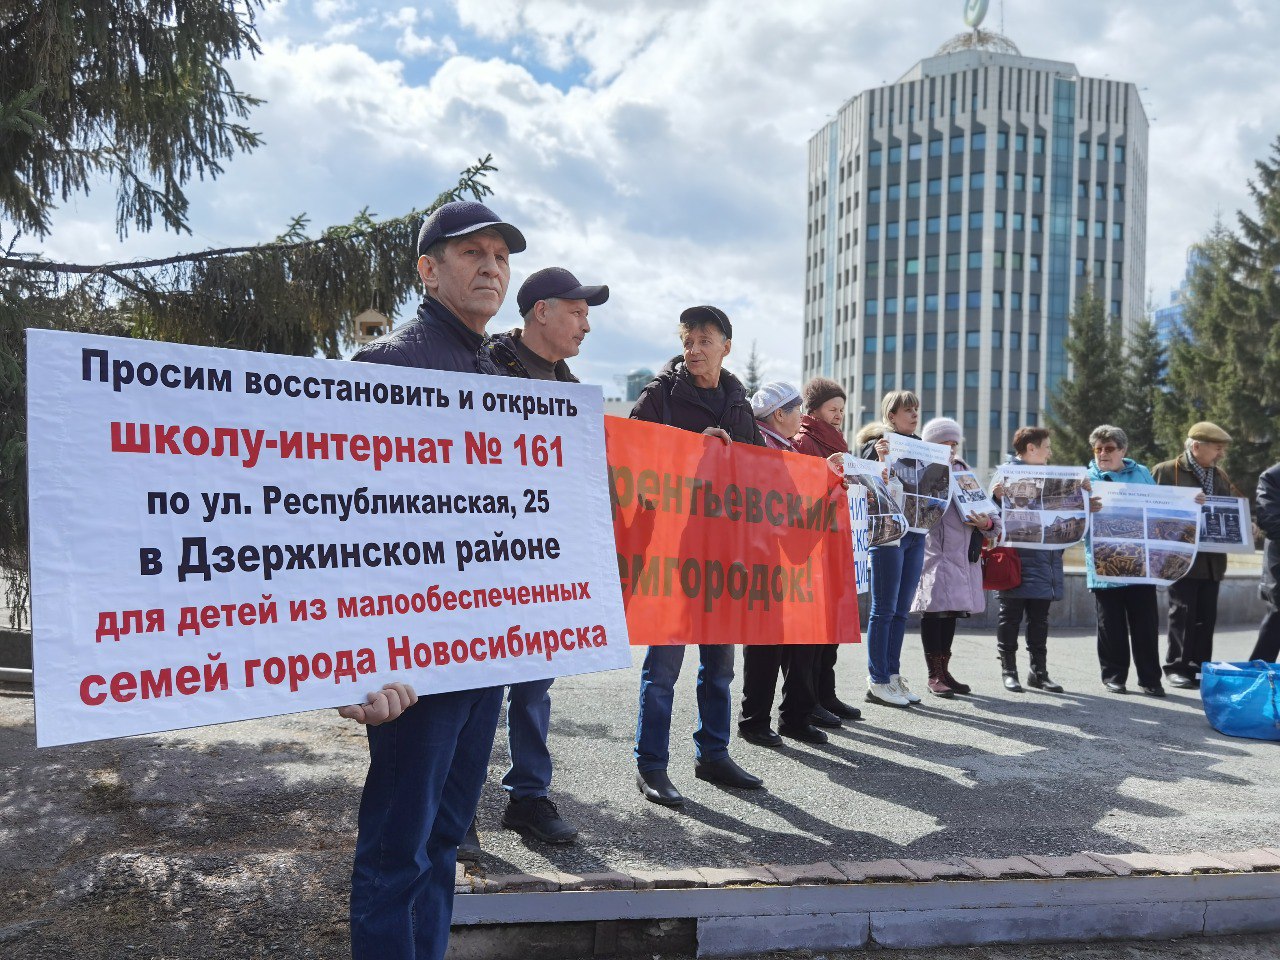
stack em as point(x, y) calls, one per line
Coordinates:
point(1225, 525)
point(1042, 507)
point(924, 470)
point(1144, 533)
point(885, 521)
point(970, 497)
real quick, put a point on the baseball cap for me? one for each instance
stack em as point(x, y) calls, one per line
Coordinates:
point(461, 217)
point(557, 283)
point(705, 314)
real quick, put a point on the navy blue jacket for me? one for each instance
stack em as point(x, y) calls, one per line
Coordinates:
point(1268, 519)
point(1042, 576)
point(434, 340)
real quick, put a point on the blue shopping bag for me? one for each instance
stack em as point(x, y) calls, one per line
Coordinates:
point(1242, 699)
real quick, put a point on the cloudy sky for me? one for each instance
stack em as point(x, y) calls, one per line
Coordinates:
point(660, 146)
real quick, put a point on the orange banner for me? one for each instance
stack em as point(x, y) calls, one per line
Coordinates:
point(728, 543)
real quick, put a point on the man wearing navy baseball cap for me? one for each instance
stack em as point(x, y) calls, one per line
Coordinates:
point(554, 306)
point(428, 756)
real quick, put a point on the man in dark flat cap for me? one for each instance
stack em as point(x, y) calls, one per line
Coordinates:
point(428, 756)
point(1193, 600)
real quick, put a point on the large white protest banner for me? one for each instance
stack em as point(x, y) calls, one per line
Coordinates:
point(1225, 525)
point(1143, 533)
point(219, 535)
point(1043, 507)
point(924, 470)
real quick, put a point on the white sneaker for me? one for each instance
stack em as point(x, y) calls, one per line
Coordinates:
point(899, 684)
point(885, 694)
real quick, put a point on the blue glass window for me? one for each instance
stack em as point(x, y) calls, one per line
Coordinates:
point(953, 302)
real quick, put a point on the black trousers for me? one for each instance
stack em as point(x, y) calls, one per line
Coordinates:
point(937, 634)
point(824, 672)
point(1012, 611)
point(760, 667)
point(1268, 645)
point(1193, 613)
point(1128, 618)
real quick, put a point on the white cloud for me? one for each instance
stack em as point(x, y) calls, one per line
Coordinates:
point(668, 156)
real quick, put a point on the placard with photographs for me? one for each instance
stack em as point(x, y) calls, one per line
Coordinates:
point(885, 521)
point(1042, 507)
point(924, 470)
point(1225, 525)
point(1144, 533)
point(970, 497)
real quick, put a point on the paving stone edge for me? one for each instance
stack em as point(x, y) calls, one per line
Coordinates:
point(468, 880)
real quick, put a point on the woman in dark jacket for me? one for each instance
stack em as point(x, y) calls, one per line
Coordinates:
point(820, 436)
point(1042, 584)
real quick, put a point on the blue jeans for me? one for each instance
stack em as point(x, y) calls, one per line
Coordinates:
point(895, 574)
point(657, 690)
point(528, 719)
point(426, 771)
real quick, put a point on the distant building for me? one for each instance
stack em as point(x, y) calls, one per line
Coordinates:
point(953, 216)
point(1169, 320)
point(637, 380)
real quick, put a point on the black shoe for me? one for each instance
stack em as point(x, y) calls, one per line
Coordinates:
point(1114, 686)
point(842, 710)
point(760, 736)
point(1156, 691)
point(537, 817)
point(1041, 681)
point(1180, 681)
point(726, 773)
point(658, 788)
point(469, 849)
point(1011, 683)
point(805, 733)
point(820, 716)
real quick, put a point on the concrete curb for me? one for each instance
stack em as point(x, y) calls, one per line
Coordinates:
point(900, 904)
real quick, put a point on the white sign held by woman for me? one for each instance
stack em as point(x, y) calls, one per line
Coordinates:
point(1144, 533)
point(924, 470)
point(1043, 507)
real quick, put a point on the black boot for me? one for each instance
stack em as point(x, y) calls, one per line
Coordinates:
point(1038, 676)
point(1009, 668)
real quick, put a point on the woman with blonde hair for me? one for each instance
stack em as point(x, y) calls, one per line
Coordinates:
point(895, 568)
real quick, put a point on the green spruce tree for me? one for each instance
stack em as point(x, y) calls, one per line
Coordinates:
point(1144, 393)
point(1093, 391)
point(754, 375)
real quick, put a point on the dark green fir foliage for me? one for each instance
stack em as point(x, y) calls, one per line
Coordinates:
point(1093, 393)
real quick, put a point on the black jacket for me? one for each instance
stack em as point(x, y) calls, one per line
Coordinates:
point(506, 355)
point(434, 340)
point(1268, 520)
point(671, 398)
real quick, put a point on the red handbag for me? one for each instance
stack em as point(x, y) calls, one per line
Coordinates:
point(1001, 568)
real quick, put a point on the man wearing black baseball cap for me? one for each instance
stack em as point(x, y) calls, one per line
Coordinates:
point(693, 392)
point(428, 756)
point(554, 306)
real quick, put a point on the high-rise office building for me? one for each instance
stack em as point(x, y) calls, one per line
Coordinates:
point(953, 217)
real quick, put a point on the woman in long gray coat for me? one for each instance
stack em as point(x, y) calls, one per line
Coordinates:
point(950, 583)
